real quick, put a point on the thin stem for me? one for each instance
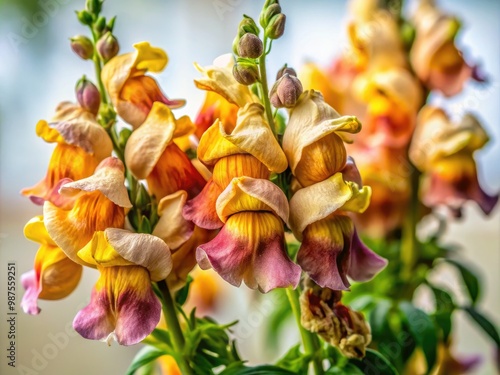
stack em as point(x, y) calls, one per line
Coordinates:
point(309, 340)
point(173, 326)
point(98, 68)
point(409, 241)
point(265, 89)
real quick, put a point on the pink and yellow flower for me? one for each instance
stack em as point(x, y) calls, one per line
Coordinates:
point(250, 245)
point(92, 204)
point(443, 152)
point(152, 154)
point(54, 275)
point(81, 143)
point(434, 57)
point(330, 186)
point(132, 92)
point(123, 305)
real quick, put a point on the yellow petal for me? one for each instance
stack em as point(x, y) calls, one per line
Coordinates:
point(150, 58)
point(172, 227)
point(318, 201)
point(220, 80)
point(311, 120)
point(251, 194)
point(119, 247)
point(35, 230)
point(251, 135)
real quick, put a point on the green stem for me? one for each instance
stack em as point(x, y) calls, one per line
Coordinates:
point(409, 251)
point(173, 326)
point(265, 89)
point(309, 340)
point(98, 68)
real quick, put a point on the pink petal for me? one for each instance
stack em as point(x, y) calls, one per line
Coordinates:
point(365, 264)
point(201, 209)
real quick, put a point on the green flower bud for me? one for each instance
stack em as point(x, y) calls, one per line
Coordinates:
point(245, 72)
point(82, 46)
point(268, 13)
point(250, 46)
point(286, 69)
point(107, 46)
point(276, 26)
point(111, 24)
point(247, 25)
point(85, 17)
point(123, 137)
point(100, 25)
point(286, 91)
point(88, 95)
point(93, 6)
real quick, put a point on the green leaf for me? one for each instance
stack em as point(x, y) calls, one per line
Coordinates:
point(470, 279)
point(444, 308)
point(348, 369)
point(294, 360)
point(484, 323)
point(423, 330)
point(374, 363)
point(182, 294)
point(143, 357)
point(379, 318)
point(240, 369)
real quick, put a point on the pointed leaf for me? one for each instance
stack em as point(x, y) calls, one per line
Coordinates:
point(423, 330)
point(484, 323)
point(295, 360)
point(143, 357)
point(470, 279)
point(374, 363)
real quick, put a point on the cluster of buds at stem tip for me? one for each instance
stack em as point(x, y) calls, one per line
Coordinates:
point(82, 46)
point(272, 20)
point(107, 46)
point(286, 90)
point(88, 95)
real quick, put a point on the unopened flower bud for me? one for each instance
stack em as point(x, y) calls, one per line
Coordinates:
point(82, 46)
point(286, 69)
point(247, 25)
point(286, 91)
point(100, 25)
point(268, 13)
point(111, 24)
point(276, 26)
point(108, 46)
point(84, 17)
point(245, 73)
point(93, 6)
point(88, 95)
point(250, 46)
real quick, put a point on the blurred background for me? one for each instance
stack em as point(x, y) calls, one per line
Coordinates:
point(38, 70)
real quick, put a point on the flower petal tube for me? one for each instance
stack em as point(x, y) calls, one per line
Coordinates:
point(250, 245)
point(123, 305)
point(132, 92)
point(54, 275)
point(81, 143)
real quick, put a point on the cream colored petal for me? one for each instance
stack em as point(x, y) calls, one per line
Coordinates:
point(436, 137)
point(143, 249)
point(220, 80)
point(253, 135)
point(147, 143)
point(115, 73)
point(310, 120)
point(172, 227)
point(251, 194)
point(317, 201)
point(108, 178)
